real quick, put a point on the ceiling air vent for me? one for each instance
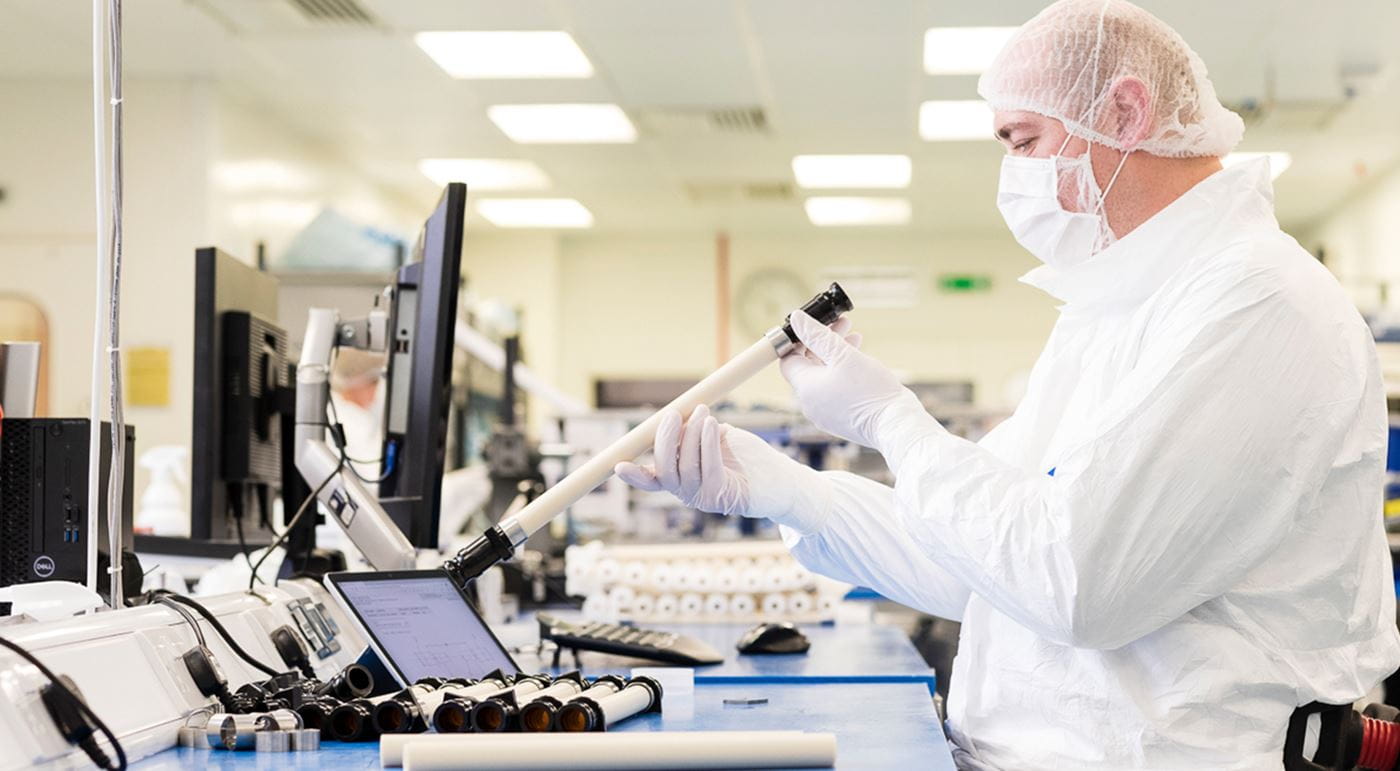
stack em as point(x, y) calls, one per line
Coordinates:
point(334, 11)
point(686, 121)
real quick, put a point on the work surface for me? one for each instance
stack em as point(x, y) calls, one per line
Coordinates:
point(865, 683)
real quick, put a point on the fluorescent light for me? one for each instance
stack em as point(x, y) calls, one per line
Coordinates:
point(1278, 161)
point(563, 123)
point(953, 121)
point(261, 175)
point(829, 211)
point(485, 173)
point(534, 212)
point(871, 171)
point(483, 55)
point(963, 50)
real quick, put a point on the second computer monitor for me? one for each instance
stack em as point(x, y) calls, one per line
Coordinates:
point(419, 378)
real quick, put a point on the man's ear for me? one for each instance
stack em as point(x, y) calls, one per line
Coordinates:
point(1130, 111)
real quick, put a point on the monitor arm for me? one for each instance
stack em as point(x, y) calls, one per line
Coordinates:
point(353, 507)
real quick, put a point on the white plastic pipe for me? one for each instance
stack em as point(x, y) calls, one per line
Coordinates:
point(597, 469)
point(586, 751)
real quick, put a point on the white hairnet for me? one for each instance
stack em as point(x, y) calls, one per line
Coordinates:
point(1063, 63)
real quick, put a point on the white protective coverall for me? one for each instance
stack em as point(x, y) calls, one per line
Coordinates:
point(1177, 537)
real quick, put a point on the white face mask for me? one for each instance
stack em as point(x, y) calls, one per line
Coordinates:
point(1029, 200)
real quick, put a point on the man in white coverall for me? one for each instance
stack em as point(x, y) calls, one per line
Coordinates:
point(1176, 539)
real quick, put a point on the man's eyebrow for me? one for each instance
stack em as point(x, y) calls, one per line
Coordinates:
point(1004, 133)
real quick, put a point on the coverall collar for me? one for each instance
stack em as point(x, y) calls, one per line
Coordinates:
point(1133, 267)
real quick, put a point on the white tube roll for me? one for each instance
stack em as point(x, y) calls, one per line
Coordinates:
point(691, 605)
point(826, 605)
point(620, 600)
point(595, 608)
point(598, 468)
point(666, 605)
point(701, 579)
point(717, 604)
point(634, 572)
point(751, 580)
point(799, 603)
point(742, 605)
point(662, 576)
point(777, 579)
point(726, 579)
point(608, 571)
point(622, 750)
point(643, 606)
point(774, 605)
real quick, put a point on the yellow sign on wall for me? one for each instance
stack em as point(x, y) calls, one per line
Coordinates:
point(148, 377)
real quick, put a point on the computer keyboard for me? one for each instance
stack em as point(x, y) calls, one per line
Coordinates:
point(627, 641)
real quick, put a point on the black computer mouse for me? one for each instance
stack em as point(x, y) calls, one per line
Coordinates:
point(774, 638)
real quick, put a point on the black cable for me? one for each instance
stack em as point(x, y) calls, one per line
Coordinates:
point(296, 518)
point(339, 434)
point(189, 619)
point(104, 762)
point(218, 627)
point(243, 543)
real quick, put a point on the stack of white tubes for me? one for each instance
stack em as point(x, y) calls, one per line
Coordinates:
point(745, 581)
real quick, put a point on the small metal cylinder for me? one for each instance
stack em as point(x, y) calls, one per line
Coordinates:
point(273, 741)
point(306, 740)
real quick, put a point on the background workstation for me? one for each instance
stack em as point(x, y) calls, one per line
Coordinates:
point(311, 140)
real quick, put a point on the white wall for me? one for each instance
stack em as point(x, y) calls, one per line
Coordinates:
point(1361, 241)
point(643, 306)
point(180, 134)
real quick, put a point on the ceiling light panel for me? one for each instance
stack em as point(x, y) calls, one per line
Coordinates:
point(963, 50)
point(563, 123)
point(1278, 161)
point(485, 173)
point(852, 171)
point(838, 211)
point(534, 212)
point(955, 120)
point(506, 55)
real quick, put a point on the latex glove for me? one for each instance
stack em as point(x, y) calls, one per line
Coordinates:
point(840, 389)
point(715, 467)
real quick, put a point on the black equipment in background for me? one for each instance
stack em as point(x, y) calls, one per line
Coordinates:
point(43, 503)
point(419, 377)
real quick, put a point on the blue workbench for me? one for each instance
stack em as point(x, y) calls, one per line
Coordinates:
point(876, 726)
point(863, 682)
point(855, 653)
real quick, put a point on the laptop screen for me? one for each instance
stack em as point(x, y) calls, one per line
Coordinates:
point(423, 624)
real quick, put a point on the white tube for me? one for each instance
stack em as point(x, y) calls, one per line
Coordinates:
point(607, 571)
point(776, 579)
point(595, 608)
point(643, 606)
point(598, 468)
point(634, 572)
point(799, 603)
point(662, 576)
point(717, 604)
point(666, 605)
point(587, 751)
point(99, 152)
point(774, 604)
point(691, 605)
point(751, 580)
point(726, 579)
point(742, 605)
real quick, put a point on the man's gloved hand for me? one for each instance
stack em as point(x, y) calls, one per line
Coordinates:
point(715, 467)
point(840, 389)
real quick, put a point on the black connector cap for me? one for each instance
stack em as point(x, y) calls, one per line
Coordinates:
point(292, 651)
point(477, 557)
point(826, 307)
point(205, 672)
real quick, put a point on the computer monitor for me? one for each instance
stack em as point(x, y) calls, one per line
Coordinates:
point(419, 377)
point(240, 365)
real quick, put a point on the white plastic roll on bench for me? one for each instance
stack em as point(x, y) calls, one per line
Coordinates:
point(588, 751)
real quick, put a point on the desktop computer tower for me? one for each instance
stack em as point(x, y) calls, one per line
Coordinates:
point(43, 502)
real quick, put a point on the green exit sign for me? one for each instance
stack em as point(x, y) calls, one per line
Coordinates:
point(964, 282)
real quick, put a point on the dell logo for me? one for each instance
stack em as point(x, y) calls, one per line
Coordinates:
point(43, 566)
